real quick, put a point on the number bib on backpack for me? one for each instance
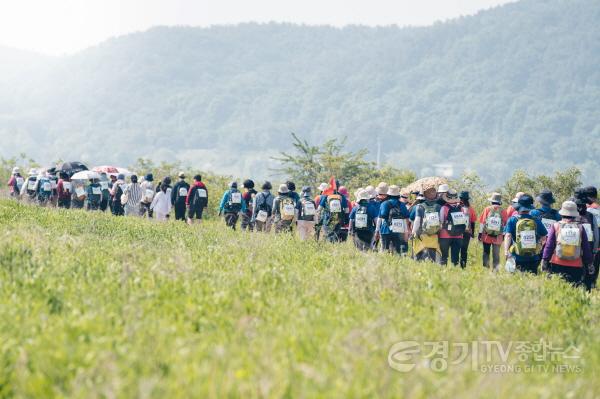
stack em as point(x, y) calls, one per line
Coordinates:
point(183, 192)
point(236, 198)
point(569, 235)
point(588, 231)
point(335, 206)
point(262, 216)
point(309, 209)
point(528, 240)
point(104, 185)
point(548, 223)
point(494, 223)
point(288, 209)
point(398, 226)
point(31, 185)
point(20, 181)
point(96, 191)
point(80, 191)
point(202, 194)
point(361, 220)
point(53, 184)
point(66, 186)
point(47, 186)
point(458, 218)
point(596, 213)
point(432, 219)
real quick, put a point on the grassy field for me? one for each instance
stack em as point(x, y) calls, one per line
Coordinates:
point(97, 306)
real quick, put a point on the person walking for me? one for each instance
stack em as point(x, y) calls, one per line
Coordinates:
point(465, 203)
point(116, 193)
point(105, 187)
point(524, 236)
point(546, 213)
point(454, 225)
point(15, 182)
point(318, 198)
point(94, 195)
point(132, 197)
point(306, 214)
point(491, 227)
point(335, 211)
point(179, 196)
point(232, 205)
point(568, 252)
point(79, 194)
point(262, 208)
point(590, 193)
point(284, 210)
point(196, 200)
point(362, 221)
point(161, 203)
point(248, 198)
point(30, 186)
point(392, 222)
point(426, 227)
point(63, 188)
point(147, 187)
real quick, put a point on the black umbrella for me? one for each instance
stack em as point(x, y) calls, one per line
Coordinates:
point(71, 168)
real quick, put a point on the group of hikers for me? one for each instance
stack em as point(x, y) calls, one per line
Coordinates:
point(436, 224)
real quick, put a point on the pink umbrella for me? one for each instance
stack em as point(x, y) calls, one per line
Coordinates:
point(106, 169)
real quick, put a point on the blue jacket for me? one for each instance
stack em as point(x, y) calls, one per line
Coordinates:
point(384, 213)
point(227, 197)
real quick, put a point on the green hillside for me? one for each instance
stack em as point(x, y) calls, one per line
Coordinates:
point(97, 306)
point(522, 77)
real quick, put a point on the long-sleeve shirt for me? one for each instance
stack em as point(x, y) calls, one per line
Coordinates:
point(134, 193)
point(162, 202)
point(586, 251)
point(180, 192)
point(192, 192)
point(486, 238)
point(384, 213)
point(263, 198)
point(227, 197)
point(64, 190)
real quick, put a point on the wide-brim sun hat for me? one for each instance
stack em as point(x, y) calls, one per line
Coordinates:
point(525, 203)
point(323, 186)
point(16, 170)
point(382, 188)
point(363, 195)
point(393, 191)
point(451, 197)
point(443, 188)
point(181, 175)
point(569, 209)
point(283, 189)
point(496, 198)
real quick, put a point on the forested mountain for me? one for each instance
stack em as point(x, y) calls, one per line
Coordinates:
point(514, 86)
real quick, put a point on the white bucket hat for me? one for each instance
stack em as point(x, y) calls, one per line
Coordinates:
point(394, 191)
point(323, 186)
point(382, 188)
point(283, 189)
point(363, 195)
point(496, 197)
point(443, 188)
point(569, 209)
point(16, 170)
point(519, 195)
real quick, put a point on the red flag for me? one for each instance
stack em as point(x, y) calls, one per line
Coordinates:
point(332, 186)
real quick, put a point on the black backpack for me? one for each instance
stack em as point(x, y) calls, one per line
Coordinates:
point(198, 201)
point(457, 229)
point(266, 205)
point(232, 207)
point(395, 213)
point(362, 220)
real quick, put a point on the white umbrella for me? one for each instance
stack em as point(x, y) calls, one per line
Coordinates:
point(124, 171)
point(85, 175)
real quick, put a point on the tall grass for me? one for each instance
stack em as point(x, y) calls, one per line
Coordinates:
point(97, 306)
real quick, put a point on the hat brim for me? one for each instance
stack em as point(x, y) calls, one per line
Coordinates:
point(523, 208)
point(495, 201)
point(569, 214)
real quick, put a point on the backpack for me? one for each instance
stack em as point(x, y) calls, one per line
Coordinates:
point(200, 198)
point(31, 186)
point(548, 219)
point(181, 192)
point(431, 219)
point(526, 237)
point(568, 241)
point(456, 220)
point(287, 208)
point(362, 220)
point(96, 195)
point(334, 208)
point(234, 205)
point(308, 211)
point(396, 221)
point(493, 223)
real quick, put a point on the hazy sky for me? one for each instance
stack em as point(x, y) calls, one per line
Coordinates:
point(65, 26)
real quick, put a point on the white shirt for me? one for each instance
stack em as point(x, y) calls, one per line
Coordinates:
point(162, 202)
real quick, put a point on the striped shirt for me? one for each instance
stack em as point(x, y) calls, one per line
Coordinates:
point(134, 191)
